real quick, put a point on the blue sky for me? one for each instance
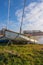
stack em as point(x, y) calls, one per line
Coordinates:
point(14, 6)
point(33, 18)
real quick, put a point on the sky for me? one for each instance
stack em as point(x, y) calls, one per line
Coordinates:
point(33, 14)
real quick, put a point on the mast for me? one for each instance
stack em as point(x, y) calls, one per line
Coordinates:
point(22, 17)
point(8, 21)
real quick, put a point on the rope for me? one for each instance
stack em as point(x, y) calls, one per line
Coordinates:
point(22, 17)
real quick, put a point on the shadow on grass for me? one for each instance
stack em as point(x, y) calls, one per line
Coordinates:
point(12, 43)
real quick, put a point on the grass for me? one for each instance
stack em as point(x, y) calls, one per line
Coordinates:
point(29, 54)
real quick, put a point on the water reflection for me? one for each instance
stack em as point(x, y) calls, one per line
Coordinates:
point(40, 40)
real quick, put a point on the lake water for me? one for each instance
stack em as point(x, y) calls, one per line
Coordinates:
point(40, 40)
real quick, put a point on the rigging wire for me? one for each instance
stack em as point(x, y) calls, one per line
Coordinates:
point(22, 16)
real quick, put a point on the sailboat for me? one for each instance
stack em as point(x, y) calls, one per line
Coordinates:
point(7, 34)
point(14, 36)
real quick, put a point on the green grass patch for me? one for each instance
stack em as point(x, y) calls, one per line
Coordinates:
point(28, 54)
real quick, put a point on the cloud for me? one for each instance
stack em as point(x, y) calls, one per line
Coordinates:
point(40, 0)
point(33, 17)
point(12, 25)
